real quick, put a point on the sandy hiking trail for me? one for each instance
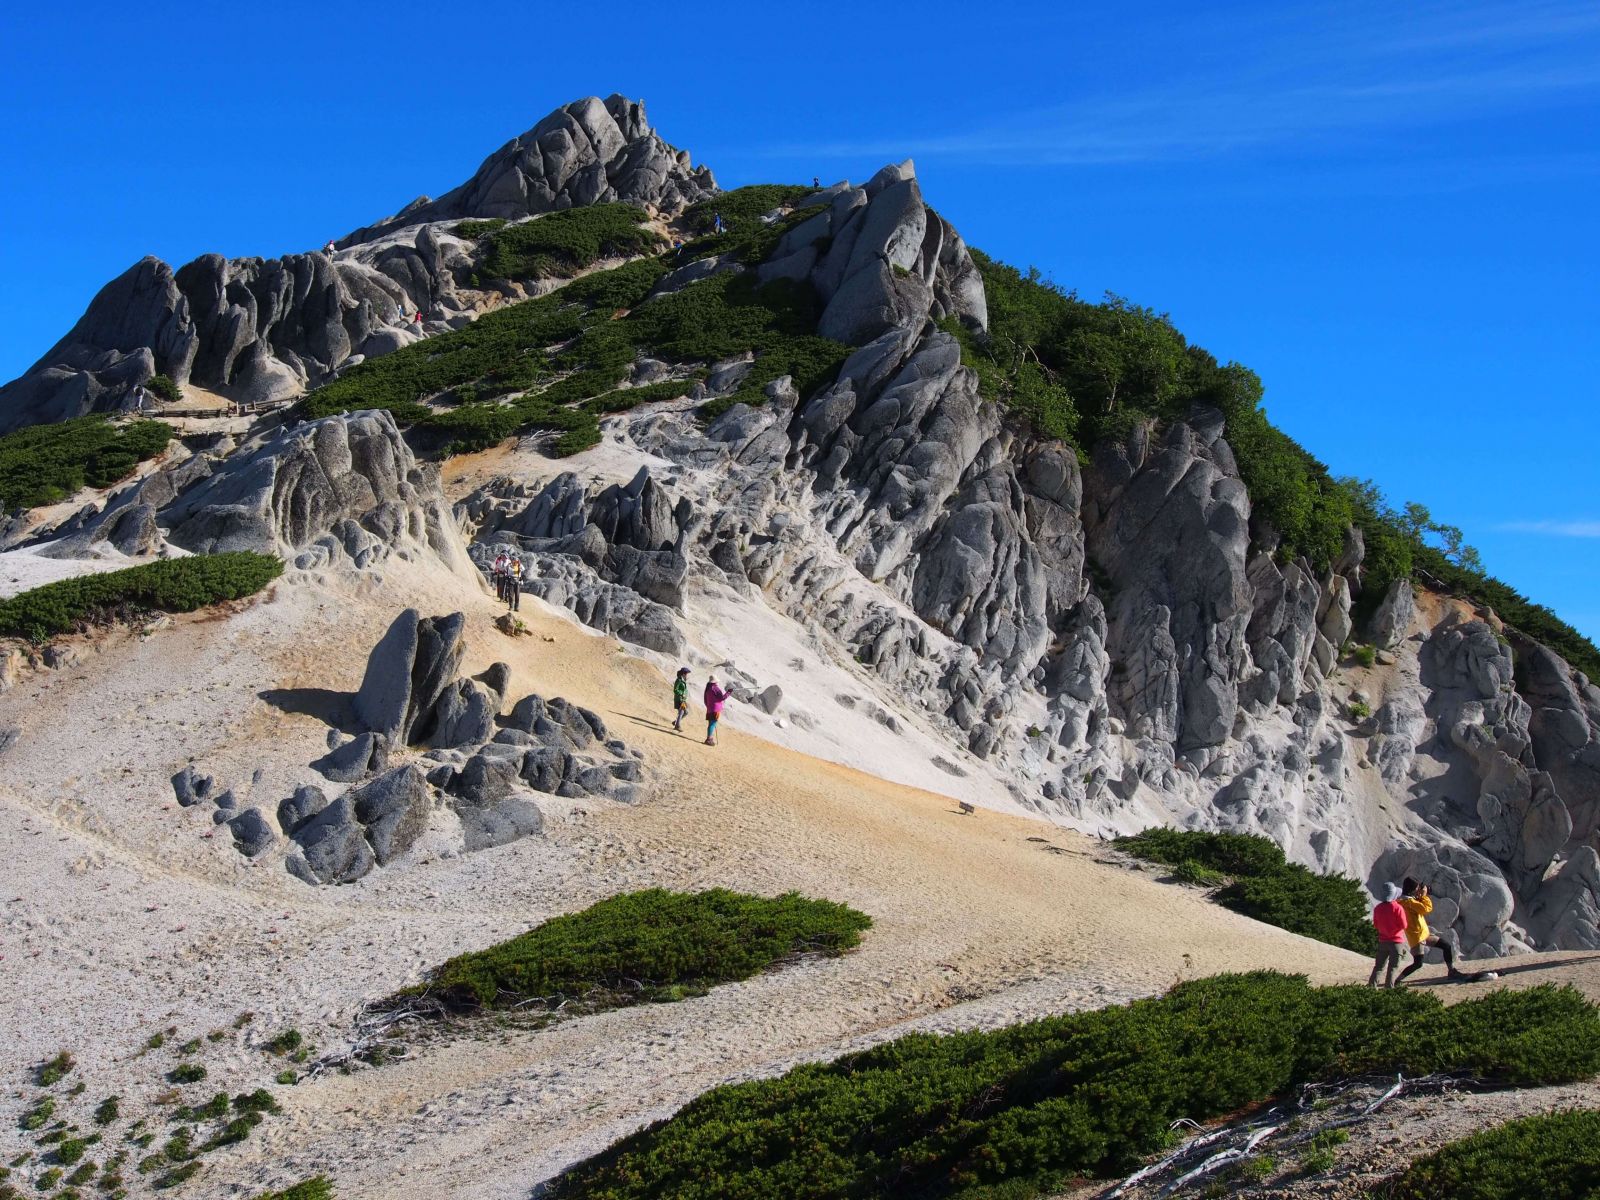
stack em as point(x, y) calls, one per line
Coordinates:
point(122, 914)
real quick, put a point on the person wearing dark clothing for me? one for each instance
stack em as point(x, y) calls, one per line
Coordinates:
point(680, 698)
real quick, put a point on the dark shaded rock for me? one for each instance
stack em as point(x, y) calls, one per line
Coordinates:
point(385, 694)
point(464, 714)
point(498, 680)
point(503, 822)
point(394, 807)
point(252, 836)
point(364, 755)
point(191, 787)
point(486, 779)
point(333, 848)
point(438, 656)
point(299, 808)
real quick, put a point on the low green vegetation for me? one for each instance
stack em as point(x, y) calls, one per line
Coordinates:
point(317, 1188)
point(169, 585)
point(1365, 656)
point(1017, 1112)
point(1265, 885)
point(35, 1117)
point(1318, 1155)
point(1358, 710)
point(477, 229)
point(54, 1070)
point(562, 243)
point(1554, 1156)
point(163, 388)
point(646, 946)
point(44, 464)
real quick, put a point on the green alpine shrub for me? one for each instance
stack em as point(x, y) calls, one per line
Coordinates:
point(44, 464)
point(1019, 1111)
point(168, 585)
point(1553, 1156)
point(647, 945)
point(1264, 884)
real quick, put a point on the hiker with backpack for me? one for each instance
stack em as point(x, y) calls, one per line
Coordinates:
point(1389, 919)
point(715, 697)
point(498, 574)
point(680, 698)
point(1414, 898)
point(514, 583)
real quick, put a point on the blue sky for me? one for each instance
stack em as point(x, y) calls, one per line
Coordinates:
point(1385, 208)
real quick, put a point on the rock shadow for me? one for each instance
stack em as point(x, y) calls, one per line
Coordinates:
point(325, 704)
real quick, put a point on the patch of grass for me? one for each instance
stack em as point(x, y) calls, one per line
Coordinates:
point(1265, 886)
point(233, 1132)
point(155, 1041)
point(286, 1078)
point(70, 1150)
point(1018, 1111)
point(1554, 1156)
point(83, 1174)
point(1318, 1156)
point(641, 946)
point(44, 464)
point(169, 585)
point(477, 229)
point(177, 1175)
point(48, 1179)
point(216, 1035)
point(285, 1042)
point(1358, 710)
point(213, 1108)
point(52, 1071)
point(192, 1046)
point(317, 1188)
point(40, 1113)
point(1365, 655)
point(187, 1073)
point(258, 1101)
point(163, 387)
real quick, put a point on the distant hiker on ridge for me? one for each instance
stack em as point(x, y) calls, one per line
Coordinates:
point(1389, 919)
point(1414, 898)
point(716, 696)
point(680, 698)
point(816, 181)
point(716, 223)
point(328, 249)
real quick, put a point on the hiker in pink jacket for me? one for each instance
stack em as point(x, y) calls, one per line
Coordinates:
point(716, 697)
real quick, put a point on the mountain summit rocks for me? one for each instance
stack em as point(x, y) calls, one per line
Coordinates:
point(260, 330)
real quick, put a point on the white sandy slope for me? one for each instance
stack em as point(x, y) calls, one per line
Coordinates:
point(122, 914)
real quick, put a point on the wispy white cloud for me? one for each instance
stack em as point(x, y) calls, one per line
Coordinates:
point(1571, 529)
point(1318, 77)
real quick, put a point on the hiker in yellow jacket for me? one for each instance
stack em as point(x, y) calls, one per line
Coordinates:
point(1418, 904)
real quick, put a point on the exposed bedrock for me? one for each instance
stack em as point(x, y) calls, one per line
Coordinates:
point(258, 330)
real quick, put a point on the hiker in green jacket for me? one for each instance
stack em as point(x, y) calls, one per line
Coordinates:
point(680, 697)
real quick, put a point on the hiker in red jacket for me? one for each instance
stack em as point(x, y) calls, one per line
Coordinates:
point(1389, 919)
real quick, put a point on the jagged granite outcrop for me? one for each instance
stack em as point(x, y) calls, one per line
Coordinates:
point(257, 330)
point(587, 152)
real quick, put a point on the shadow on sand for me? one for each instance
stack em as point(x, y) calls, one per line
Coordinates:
point(1494, 964)
point(326, 705)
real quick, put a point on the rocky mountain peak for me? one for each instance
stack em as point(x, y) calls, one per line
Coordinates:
point(263, 330)
point(591, 151)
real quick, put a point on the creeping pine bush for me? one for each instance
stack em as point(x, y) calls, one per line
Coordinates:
point(1554, 1156)
point(1018, 1111)
point(170, 585)
point(648, 945)
point(164, 388)
point(47, 463)
point(563, 356)
point(1265, 886)
point(563, 242)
